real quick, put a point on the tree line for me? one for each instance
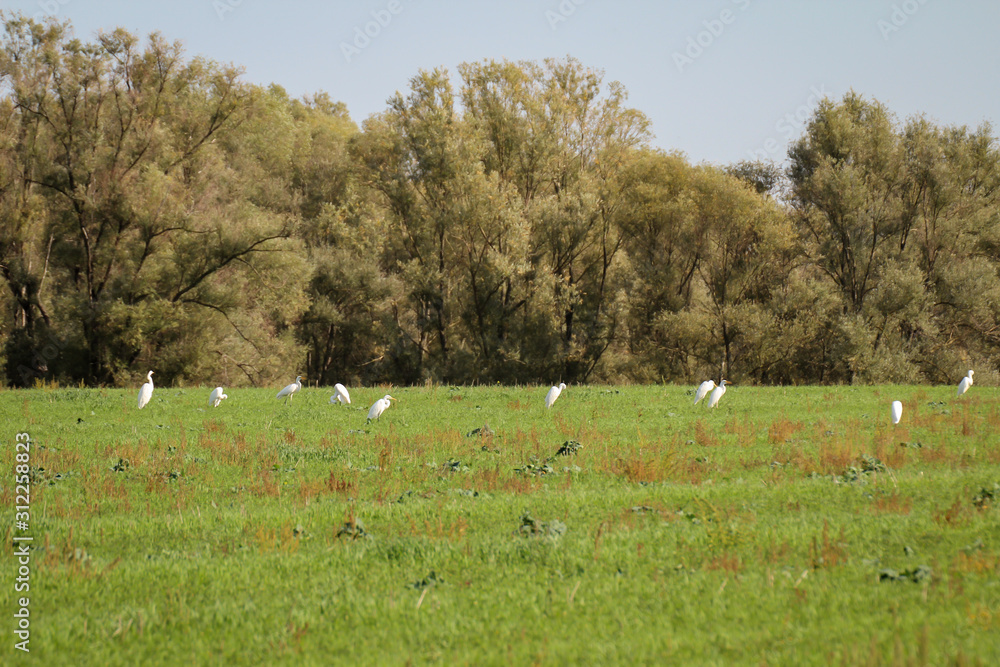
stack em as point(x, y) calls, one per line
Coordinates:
point(158, 212)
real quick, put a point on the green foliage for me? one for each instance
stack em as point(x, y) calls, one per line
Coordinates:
point(764, 177)
point(166, 224)
point(514, 226)
point(892, 216)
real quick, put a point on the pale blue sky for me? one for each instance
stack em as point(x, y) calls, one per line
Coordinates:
point(758, 70)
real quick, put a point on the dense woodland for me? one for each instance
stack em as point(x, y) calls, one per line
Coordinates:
point(513, 225)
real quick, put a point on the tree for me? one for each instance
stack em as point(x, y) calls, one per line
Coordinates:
point(847, 181)
point(130, 156)
point(951, 213)
point(896, 218)
point(555, 135)
point(766, 178)
point(708, 253)
point(664, 244)
point(747, 252)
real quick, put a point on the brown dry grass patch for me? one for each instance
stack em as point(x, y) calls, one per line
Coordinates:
point(958, 514)
point(266, 485)
point(993, 420)
point(496, 480)
point(703, 436)
point(438, 529)
point(782, 431)
point(825, 552)
point(891, 454)
point(421, 442)
point(978, 562)
point(57, 460)
point(71, 557)
point(892, 504)
point(836, 456)
point(136, 455)
point(649, 464)
point(343, 487)
point(626, 518)
point(983, 617)
point(793, 456)
point(213, 426)
point(744, 430)
point(774, 554)
point(270, 540)
point(99, 486)
point(726, 562)
point(237, 450)
point(520, 444)
point(385, 453)
point(755, 462)
point(939, 455)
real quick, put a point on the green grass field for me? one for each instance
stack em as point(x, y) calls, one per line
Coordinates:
point(789, 526)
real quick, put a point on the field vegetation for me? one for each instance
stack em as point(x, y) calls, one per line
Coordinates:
point(470, 525)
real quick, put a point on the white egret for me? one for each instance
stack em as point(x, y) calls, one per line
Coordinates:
point(897, 411)
point(553, 394)
point(380, 406)
point(217, 397)
point(146, 391)
point(290, 390)
point(703, 389)
point(717, 393)
point(340, 394)
point(964, 385)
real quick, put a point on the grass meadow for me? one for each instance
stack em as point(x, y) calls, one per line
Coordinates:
point(788, 526)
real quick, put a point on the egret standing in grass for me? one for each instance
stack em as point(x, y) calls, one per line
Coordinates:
point(964, 385)
point(146, 391)
point(290, 390)
point(217, 397)
point(897, 412)
point(703, 389)
point(553, 394)
point(340, 394)
point(380, 406)
point(713, 400)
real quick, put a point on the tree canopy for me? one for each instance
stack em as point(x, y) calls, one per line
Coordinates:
point(157, 211)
